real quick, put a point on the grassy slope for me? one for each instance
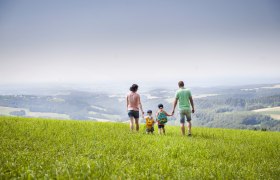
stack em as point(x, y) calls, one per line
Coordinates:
point(63, 149)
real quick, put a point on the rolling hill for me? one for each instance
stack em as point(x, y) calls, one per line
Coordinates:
point(220, 107)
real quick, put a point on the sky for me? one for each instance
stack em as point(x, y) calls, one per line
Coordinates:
point(199, 41)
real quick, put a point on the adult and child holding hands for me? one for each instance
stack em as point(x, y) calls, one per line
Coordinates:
point(183, 95)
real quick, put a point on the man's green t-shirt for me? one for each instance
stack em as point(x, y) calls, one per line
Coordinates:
point(183, 95)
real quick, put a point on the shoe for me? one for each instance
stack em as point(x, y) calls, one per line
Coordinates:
point(189, 134)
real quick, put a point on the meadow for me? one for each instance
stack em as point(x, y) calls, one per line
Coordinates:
point(61, 149)
point(5, 111)
point(274, 112)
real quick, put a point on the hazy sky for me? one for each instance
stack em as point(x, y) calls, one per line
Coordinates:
point(139, 40)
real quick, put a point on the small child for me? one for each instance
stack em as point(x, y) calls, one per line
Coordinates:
point(149, 122)
point(161, 119)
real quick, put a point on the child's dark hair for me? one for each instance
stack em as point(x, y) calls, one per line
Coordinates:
point(133, 88)
point(160, 106)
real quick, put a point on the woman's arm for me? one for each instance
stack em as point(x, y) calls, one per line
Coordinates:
point(126, 103)
point(140, 106)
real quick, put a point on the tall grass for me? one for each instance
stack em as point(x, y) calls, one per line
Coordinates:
point(39, 148)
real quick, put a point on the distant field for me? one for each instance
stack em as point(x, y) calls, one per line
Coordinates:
point(204, 95)
point(277, 86)
point(58, 149)
point(274, 112)
point(107, 116)
point(171, 99)
point(7, 110)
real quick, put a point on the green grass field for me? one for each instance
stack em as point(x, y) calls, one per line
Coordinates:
point(39, 148)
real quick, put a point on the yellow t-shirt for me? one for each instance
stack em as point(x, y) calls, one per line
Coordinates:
point(149, 122)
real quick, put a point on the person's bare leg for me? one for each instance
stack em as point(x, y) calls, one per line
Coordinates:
point(182, 121)
point(183, 128)
point(163, 130)
point(159, 131)
point(189, 127)
point(131, 123)
point(137, 124)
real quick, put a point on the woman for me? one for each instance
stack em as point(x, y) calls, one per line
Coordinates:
point(133, 105)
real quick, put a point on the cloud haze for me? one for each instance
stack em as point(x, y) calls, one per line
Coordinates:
point(93, 41)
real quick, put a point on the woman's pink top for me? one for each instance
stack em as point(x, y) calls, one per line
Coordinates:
point(133, 101)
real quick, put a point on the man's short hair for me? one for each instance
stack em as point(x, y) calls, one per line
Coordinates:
point(181, 84)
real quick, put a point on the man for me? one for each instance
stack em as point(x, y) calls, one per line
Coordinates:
point(185, 100)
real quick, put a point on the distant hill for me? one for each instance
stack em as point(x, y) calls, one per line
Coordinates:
point(227, 107)
point(56, 149)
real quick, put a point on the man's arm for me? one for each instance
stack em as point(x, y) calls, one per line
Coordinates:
point(191, 101)
point(174, 106)
point(167, 113)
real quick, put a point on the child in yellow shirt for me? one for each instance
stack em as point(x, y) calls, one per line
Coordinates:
point(149, 122)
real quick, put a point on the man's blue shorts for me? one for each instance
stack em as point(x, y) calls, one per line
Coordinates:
point(185, 114)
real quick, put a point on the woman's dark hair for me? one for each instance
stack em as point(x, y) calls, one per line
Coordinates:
point(133, 88)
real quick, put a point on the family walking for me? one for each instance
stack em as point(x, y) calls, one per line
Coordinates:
point(186, 107)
